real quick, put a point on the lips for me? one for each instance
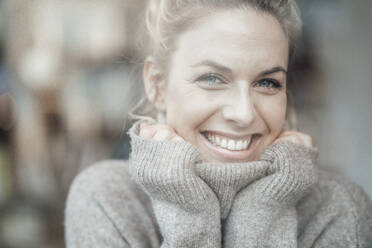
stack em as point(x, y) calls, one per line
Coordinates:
point(227, 143)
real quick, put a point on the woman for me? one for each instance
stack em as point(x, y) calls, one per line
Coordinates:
point(218, 168)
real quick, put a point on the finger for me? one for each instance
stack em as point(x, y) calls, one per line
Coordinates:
point(290, 138)
point(164, 126)
point(307, 140)
point(287, 133)
point(147, 132)
point(177, 138)
point(144, 124)
point(163, 134)
point(282, 137)
point(304, 138)
point(296, 137)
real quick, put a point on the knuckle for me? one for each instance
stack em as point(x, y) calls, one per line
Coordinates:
point(145, 131)
point(162, 133)
point(306, 136)
point(164, 127)
point(177, 138)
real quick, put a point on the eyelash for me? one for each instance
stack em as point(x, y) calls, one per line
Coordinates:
point(204, 79)
point(274, 84)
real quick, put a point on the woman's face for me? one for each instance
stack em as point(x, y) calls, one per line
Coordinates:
point(226, 85)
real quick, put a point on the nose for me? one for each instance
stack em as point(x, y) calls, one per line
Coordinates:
point(240, 109)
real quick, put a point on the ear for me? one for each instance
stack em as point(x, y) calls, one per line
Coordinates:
point(154, 86)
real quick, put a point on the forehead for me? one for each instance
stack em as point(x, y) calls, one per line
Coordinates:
point(235, 37)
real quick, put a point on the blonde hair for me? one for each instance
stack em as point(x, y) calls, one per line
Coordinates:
point(167, 19)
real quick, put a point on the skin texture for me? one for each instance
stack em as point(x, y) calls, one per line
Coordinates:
point(197, 96)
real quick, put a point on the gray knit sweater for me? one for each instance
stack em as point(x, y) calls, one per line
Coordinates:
point(165, 196)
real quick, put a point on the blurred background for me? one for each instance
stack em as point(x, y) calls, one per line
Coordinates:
point(69, 73)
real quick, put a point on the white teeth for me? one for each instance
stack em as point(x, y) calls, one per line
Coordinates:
point(229, 144)
point(239, 145)
point(217, 141)
point(224, 143)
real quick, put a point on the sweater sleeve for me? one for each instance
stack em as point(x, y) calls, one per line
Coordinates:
point(263, 213)
point(186, 209)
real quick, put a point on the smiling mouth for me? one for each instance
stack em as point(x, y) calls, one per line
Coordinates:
point(229, 144)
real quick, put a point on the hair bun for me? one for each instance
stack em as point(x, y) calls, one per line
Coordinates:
point(152, 17)
point(157, 13)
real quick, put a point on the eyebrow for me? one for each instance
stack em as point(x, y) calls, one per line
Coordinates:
point(215, 65)
point(272, 71)
point(225, 69)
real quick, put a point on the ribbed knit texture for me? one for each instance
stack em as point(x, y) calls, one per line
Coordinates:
point(170, 176)
point(187, 210)
point(226, 179)
point(291, 172)
point(171, 198)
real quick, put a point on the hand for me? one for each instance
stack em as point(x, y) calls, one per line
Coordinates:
point(293, 163)
point(159, 132)
point(180, 199)
point(165, 168)
point(262, 209)
point(295, 137)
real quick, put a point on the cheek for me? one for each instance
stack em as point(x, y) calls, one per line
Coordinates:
point(273, 111)
point(187, 108)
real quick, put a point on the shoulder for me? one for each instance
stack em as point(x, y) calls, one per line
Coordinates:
point(107, 185)
point(104, 201)
point(105, 181)
point(338, 206)
point(102, 176)
point(335, 187)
